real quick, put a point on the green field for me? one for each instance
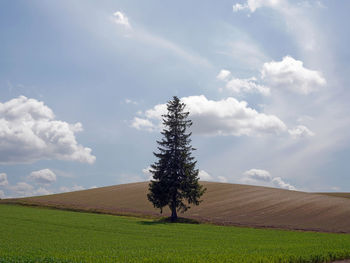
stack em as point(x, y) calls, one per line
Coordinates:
point(30, 234)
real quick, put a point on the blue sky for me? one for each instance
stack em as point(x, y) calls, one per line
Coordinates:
point(83, 84)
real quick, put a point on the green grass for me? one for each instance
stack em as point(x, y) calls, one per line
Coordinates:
point(30, 234)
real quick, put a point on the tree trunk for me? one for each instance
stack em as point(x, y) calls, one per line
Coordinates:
point(173, 213)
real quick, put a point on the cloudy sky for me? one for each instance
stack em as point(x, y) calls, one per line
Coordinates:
point(83, 85)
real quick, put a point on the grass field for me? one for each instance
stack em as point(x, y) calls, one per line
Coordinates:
point(30, 234)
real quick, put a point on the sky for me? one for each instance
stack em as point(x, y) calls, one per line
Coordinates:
point(83, 85)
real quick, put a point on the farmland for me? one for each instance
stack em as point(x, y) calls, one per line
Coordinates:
point(30, 234)
point(223, 204)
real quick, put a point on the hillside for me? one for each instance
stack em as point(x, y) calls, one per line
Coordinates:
point(225, 204)
point(339, 194)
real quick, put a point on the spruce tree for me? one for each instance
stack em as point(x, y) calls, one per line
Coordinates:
point(175, 178)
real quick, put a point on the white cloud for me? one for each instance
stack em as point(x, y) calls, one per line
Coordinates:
point(247, 85)
point(71, 189)
point(301, 132)
point(147, 173)
point(255, 4)
point(224, 74)
point(29, 132)
point(44, 176)
point(223, 117)
point(156, 112)
point(129, 101)
point(287, 74)
point(259, 175)
point(238, 7)
point(121, 19)
point(291, 74)
point(264, 178)
point(204, 176)
point(277, 181)
point(252, 5)
point(22, 189)
point(2, 194)
point(237, 85)
point(3, 179)
point(143, 124)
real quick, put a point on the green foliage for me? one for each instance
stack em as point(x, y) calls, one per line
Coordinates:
point(175, 178)
point(30, 234)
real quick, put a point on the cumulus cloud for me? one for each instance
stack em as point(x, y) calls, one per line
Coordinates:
point(121, 19)
point(247, 86)
point(259, 175)
point(204, 176)
point(142, 124)
point(292, 75)
point(289, 74)
point(277, 181)
point(3, 179)
point(224, 117)
point(264, 178)
point(29, 132)
point(44, 176)
point(22, 189)
point(224, 74)
point(300, 132)
point(237, 85)
point(252, 5)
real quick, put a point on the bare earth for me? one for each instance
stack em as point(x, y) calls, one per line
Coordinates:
point(224, 204)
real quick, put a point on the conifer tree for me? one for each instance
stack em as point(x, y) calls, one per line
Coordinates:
point(175, 178)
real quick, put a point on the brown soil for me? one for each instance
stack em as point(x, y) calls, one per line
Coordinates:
point(224, 204)
point(344, 195)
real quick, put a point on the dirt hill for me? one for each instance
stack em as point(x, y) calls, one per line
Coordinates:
point(225, 204)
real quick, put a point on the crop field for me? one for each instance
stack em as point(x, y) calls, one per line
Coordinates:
point(29, 234)
point(223, 204)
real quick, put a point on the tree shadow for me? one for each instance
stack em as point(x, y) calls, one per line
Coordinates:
point(167, 220)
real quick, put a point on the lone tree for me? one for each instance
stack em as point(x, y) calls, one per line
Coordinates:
point(175, 178)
